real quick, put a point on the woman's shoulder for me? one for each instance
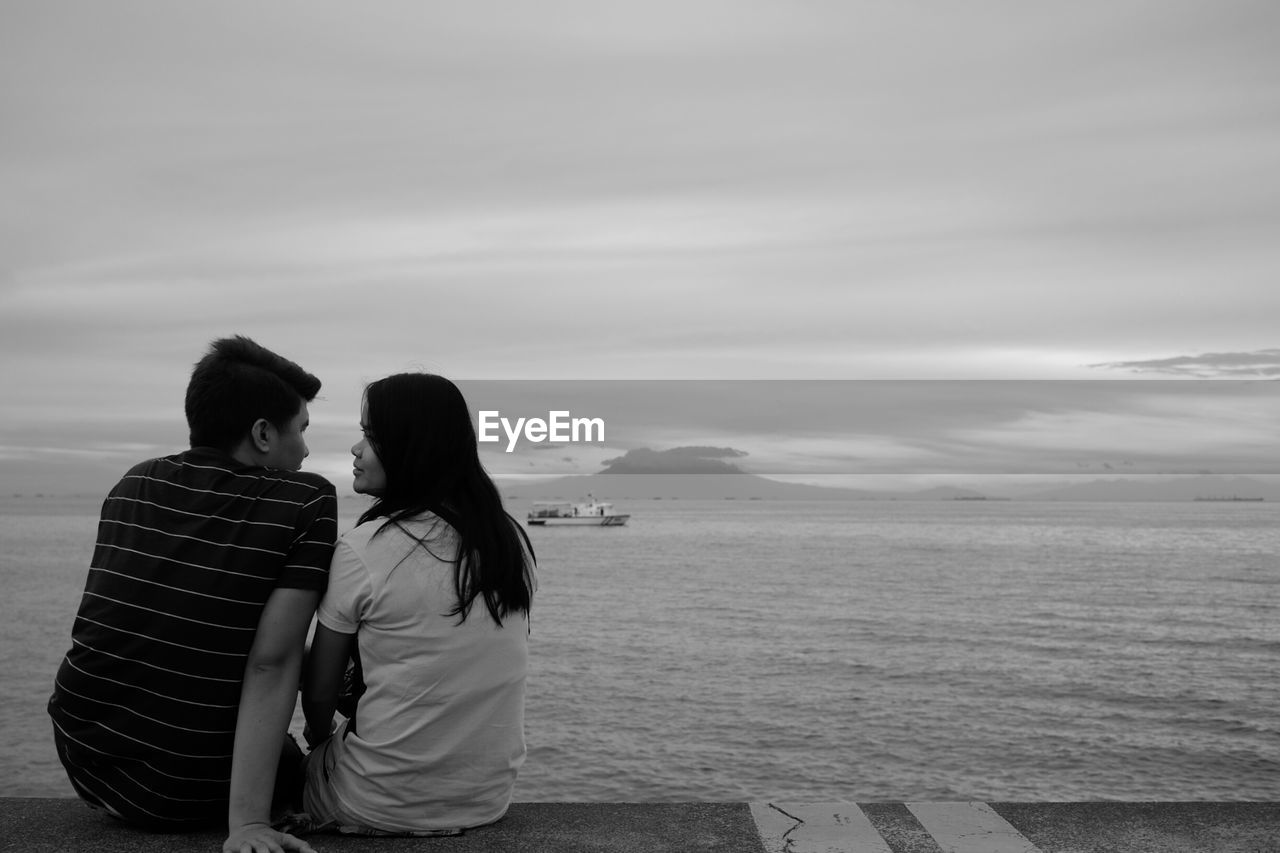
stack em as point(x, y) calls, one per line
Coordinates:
point(361, 533)
point(365, 525)
point(425, 527)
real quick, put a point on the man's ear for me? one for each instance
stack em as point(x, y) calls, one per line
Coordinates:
point(260, 434)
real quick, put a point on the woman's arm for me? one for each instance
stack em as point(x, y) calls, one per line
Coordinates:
point(326, 664)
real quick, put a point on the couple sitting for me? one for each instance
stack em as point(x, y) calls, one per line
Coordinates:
point(172, 707)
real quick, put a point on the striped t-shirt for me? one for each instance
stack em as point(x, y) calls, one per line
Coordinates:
point(189, 549)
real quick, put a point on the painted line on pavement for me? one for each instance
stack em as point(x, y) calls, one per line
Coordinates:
point(970, 828)
point(816, 828)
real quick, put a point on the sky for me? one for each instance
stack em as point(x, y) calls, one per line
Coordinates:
point(593, 190)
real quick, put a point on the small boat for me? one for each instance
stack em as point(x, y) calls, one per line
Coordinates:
point(590, 513)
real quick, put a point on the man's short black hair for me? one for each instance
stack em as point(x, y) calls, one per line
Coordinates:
point(237, 382)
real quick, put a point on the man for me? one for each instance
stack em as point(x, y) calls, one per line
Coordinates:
point(170, 708)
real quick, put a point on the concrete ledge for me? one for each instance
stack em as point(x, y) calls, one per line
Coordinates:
point(60, 825)
point(37, 825)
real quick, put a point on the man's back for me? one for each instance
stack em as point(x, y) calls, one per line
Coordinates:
point(189, 549)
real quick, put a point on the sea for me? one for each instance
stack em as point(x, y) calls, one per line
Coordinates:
point(815, 651)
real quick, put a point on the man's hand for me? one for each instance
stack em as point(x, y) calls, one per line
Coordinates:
point(261, 838)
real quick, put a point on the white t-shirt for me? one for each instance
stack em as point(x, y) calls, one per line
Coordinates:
point(440, 728)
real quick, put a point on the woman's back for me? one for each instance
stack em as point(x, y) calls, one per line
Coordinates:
point(439, 734)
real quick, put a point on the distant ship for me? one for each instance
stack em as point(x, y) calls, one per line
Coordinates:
point(590, 513)
point(1228, 498)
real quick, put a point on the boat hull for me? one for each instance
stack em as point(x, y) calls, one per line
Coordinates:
point(580, 521)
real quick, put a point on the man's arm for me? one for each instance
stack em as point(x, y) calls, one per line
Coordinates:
point(266, 706)
point(326, 664)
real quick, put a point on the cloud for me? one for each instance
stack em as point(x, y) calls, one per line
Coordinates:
point(770, 428)
point(914, 427)
point(686, 190)
point(1259, 364)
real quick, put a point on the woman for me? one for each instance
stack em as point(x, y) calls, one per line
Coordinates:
point(432, 588)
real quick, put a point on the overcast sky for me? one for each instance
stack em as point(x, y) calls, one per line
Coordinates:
point(657, 190)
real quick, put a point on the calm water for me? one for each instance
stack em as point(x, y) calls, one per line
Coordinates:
point(862, 651)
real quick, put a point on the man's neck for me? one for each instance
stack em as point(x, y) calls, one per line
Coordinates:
point(246, 454)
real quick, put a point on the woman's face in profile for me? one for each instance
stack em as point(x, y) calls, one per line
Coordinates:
point(370, 478)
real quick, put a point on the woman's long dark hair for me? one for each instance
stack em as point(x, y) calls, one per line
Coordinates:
point(420, 427)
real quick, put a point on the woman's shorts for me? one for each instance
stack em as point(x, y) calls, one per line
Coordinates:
point(323, 807)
